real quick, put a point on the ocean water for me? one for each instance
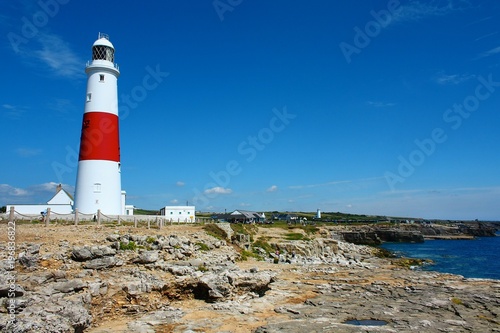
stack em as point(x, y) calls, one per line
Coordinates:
point(477, 258)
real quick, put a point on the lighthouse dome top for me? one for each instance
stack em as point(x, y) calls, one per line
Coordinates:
point(102, 49)
point(103, 39)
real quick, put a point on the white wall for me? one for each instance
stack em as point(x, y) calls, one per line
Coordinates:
point(179, 213)
point(37, 209)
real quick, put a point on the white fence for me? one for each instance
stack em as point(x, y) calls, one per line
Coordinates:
point(100, 218)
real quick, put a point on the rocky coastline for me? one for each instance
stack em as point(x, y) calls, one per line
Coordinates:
point(417, 232)
point(185, 278)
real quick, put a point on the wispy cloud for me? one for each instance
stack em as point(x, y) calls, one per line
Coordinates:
point(453, 79)
point(488, 53)
point(377, 104)
point(174, 201)
point(61, 105)
point(218, 190)
point(180, 184)
point(28, 152)
point(273, 188)
point(57, 55)
point(486, 36)
point(337, 182)
point(12, 111)
point(52, 53)
point(418, 10)
point(33, 194)
point(8, 190)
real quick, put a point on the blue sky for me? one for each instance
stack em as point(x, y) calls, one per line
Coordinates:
point(378, 107)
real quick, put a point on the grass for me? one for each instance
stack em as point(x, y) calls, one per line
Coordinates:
point(244, 255)
point(202, 268)
point(295, 236)
point(203, 246)
point(262, 243)
point(130, 246)
point(383, 253)
point(215, 231)
point(456, 301)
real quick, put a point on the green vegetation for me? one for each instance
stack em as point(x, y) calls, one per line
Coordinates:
point(202, 268)
point(383, 253)
point(215, 231)
point(295, 236)
point(263, 244)
point(245, 229)
point(410, 262)
point(139, 211)
point(130, 246)
point(456, 301)
point(150, 240)
point(203, 246)
point(244, 255)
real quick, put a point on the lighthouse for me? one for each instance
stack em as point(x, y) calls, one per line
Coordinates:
point(98, 180)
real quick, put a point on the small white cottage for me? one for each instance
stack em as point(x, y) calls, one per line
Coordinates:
point(60, 203)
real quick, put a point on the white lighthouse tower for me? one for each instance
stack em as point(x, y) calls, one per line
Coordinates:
point(98, 181)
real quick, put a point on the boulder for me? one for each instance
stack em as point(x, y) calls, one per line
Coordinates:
point(147, 257)
point(69, 286)
point(91, 252)
point(101, 263)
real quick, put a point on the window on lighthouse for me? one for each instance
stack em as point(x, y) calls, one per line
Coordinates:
point(101, 77)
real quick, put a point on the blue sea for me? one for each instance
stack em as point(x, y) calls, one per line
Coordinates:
point(477, 258)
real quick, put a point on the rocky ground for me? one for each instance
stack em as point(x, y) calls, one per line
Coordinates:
point(181, 279)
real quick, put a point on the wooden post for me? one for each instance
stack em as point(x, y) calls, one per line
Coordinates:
point(12, 213)
point(160, 225)
point(98, 217)
point(119, 221)
point(76, 216)
point(47, 218)
point(135, 222)
point(149, 223)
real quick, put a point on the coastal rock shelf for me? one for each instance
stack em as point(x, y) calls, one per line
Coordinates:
point(417, 233)
point(180, 279)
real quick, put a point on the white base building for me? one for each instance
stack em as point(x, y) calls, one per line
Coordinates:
point(179, 213)
point(61, 203)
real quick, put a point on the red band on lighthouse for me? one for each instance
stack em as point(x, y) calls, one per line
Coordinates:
point(100, 137)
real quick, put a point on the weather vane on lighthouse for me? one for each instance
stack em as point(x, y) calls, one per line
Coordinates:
point(98, 181)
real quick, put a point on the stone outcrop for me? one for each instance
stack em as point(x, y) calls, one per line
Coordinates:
point(362, 237)
point(104, 281)
point(399, 236)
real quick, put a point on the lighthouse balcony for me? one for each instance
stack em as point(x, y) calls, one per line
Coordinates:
point(102, 63)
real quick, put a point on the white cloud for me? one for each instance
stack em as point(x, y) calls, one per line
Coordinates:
point(53, 53)
point(491, 52)
point(338, 182)
point(61, 105)
point(273, 188)
point(218, 190)
point(377, 104)
point(58, 56)
point(33, 194)
point(180, 184)
point(445, 79)
point(417, 10)
point(28, 152)
point(13, 111)
point(174, 201)
point(7, 190)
